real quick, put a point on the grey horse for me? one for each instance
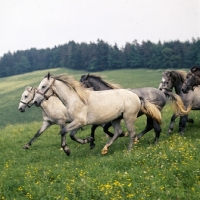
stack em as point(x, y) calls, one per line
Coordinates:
point(175, 79)
point(192, 79)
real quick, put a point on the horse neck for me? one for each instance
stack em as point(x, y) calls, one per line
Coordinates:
point(67, 96)
point(46, 105)
point(178, 88)
point(98, 85)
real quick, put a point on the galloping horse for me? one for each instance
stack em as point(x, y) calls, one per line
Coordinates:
point(175, 79)
point(53, 111)
point(86, 107)
point(153, 95)
point(192, 79)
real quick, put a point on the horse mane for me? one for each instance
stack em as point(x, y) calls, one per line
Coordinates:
point(75, 85)
point(179, 75)
point(109, 84)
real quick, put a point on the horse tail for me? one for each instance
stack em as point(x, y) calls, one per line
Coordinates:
point(150, 109)
point(177, 105)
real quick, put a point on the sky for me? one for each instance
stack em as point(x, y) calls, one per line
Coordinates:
point(26, 24)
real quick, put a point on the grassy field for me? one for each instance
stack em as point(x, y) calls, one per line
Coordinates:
point(167, 170)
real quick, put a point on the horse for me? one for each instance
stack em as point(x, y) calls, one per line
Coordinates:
point(192, 79)
point(153, 95)
point(175, 79)
point(87, 107)
point(53, 111)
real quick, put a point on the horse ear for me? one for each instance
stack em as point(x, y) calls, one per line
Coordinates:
point(28, 88)
point(48, 75)
point(87, 76)
point(169, 74)
point(194, 69)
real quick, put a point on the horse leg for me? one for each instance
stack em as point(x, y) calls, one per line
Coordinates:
point(74, 126)
point(157, 130)
point(117, 128)
point(81, 141)
point(171, 126)
point(107, 126)
point(182, 124)
point(132, 135)
point(64, 146)
point(44, 126)
point(148, 127)
point(92, 144)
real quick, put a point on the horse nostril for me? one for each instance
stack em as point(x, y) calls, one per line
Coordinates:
point(21, 110)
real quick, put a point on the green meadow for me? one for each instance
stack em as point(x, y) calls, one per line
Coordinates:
point(167, 170)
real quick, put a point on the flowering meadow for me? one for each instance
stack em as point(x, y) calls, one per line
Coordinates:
point(167, 170)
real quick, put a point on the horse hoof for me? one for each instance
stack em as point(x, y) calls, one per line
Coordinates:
point(104, 150)
point(155, 141)
point(122, 134)
point(190, 121)
point(125, 134)
point(135, 140)
point(169, 132)
point(67, 151)
point(90, 139)
point(92, 146)
point(26, 146)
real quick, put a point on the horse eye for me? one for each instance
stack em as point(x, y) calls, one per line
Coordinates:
point(43, 86)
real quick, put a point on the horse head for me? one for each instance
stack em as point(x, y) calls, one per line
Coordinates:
point(172, 79)
point(192, 79)
point(84, 81)
point(26, 98)
point(166, 84)
point(44, 90)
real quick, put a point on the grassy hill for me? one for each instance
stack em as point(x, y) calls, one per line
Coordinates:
point(168, 170)
point(11, 89)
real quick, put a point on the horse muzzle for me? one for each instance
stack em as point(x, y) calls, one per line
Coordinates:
point(37, 103)
point(21, 109)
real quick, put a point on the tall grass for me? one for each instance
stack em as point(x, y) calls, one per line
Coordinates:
point(167, 170)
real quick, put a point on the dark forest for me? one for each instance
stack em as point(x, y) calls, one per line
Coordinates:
point(100, 56)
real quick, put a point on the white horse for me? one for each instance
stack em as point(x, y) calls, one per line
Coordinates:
point(86, 107)
point(53, 111)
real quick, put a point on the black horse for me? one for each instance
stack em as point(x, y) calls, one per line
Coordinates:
point(153, 95)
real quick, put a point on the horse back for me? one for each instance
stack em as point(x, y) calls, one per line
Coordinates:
point(153, 95)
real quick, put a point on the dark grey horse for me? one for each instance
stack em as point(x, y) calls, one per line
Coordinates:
point(153, 95)
point(175, 79)
point(192, 79)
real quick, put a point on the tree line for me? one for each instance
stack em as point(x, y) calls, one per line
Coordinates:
point(99, 56)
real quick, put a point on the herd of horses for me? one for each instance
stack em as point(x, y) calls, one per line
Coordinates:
point(94, 101)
